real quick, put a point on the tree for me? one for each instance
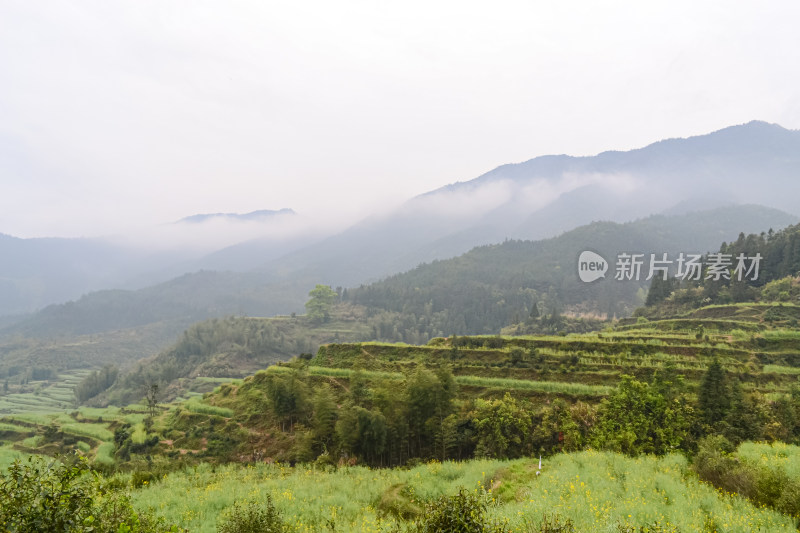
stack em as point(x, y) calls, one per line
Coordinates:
point(429, 401)
point(502, 427)
point(637, 419)
point(362, 432)
point(559, 431)
point(152, 399)
point(660, 289)
point(323, 420)
point(319, 306)
point(714, 397)
point(288, 396)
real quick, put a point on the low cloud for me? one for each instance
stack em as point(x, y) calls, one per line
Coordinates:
point(463, 201)
point(215, 233)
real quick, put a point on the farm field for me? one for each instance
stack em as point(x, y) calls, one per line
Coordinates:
point(598, 491)
point(180, 458)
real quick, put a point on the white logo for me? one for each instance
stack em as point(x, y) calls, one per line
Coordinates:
point(591, 266)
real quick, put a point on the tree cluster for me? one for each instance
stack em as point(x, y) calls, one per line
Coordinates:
point(390, 422)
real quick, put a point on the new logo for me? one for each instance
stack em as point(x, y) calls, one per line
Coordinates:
point(591, 266)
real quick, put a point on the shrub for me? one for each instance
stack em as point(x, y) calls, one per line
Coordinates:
point(398, 501)
point(251, 517)
point(65, 496)
point(760, 484)
point(461, 513)
point(555, 525)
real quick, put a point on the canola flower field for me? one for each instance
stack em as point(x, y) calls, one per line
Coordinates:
point(775, 455)
point(597, 490)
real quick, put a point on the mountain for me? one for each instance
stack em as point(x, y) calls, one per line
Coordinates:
point(497, 285)
point(754, 163)
point(536, 199)
point(257, 216)
point(37, 272)
point(478, 292)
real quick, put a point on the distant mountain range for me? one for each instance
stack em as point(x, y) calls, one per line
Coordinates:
point(754, 163)
point(478, 292)
point(254, 216)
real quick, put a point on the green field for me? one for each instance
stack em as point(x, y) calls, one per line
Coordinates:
point(775, 456)
point(598, 491)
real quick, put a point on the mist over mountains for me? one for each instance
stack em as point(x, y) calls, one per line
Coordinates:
point(260, 215)
point(755, 163)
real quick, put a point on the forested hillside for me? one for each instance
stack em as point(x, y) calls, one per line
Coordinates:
point(774, 280)
point(495, 286)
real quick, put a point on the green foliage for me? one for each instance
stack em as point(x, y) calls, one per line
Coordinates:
point(288, 396)
point(763, 484)
point(714, 398)
point(638, 419)
point(502, 428)
point(228, 347)
point(54, 496)
point(96, 382)
point(660, 290)
point(319, 305)
point(251, 517)
point(398, 501)
point(464, 512)
point(196, 405)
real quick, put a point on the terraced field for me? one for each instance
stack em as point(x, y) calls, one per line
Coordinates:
point(44, 396)
point(764, 357)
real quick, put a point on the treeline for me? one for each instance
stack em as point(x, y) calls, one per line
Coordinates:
point(494, 286)
point(422, 417)
point(775, 280)
point(226, 347)
point(96, 382)
point(488, 288)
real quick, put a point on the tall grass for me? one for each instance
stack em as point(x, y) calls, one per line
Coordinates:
point(105, 454)
point(13, 428)
point(780, 369)
point(139, 434)
point(776, 456)
point(195, 405)
point(84, 429)
point(555, 387)
point(598, 491)
point(97, 413)
point(8, 455)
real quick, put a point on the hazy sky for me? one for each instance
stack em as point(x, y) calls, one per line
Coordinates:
point(120, 114)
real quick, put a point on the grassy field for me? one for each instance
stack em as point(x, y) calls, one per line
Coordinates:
point(598, 491)
point(43, 396)
point(776, 455)
point(8, 455)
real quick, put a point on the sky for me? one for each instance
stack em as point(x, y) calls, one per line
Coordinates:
point(118, 116)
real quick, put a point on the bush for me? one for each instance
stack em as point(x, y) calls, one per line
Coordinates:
point(66, 496)
point(555, 525)
point(251, 517)
point(461, 513)
point(398, 501)
point(760, 484)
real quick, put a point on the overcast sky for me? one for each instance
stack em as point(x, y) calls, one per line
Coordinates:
point(115, 115)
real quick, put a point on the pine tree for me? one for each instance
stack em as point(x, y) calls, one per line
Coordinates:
point(714, 396)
